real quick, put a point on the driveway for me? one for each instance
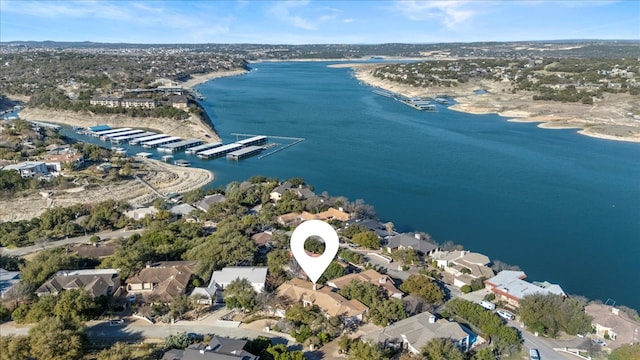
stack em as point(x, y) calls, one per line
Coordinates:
point(107, 235)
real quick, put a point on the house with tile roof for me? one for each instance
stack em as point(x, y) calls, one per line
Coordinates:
point(162, 281)
point(330, 302)
point(414, 332)
point(509, 286)
point(614, 325)
point(465, 266)
point(98, 282)
point(372, 277)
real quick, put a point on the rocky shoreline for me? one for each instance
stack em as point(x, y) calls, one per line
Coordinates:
point(606, 119)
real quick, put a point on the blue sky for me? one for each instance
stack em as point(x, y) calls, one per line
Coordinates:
point(317, 22)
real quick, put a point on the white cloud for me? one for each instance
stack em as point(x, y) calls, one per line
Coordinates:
point(292, 13)
point(451, 13)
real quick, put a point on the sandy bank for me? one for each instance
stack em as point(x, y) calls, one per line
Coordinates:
point(162, 177)
point(607, 119)
point(193, 127)
point(203, 78)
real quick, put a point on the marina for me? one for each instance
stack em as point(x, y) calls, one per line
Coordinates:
point(244, 152)
point(160, 142)
point(124, 133)
point(196, 149)
point(442, 101)
point(254, 140)
point(108, 132)
point(219, 151)
point(180, 145)
point(127, 138)
point(148, 138)
point(96, 128)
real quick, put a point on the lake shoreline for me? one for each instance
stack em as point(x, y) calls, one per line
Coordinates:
point(514, 108)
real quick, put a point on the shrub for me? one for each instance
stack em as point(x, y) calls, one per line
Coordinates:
point(466, 289)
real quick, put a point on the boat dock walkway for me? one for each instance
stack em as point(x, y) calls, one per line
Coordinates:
point(294, 140)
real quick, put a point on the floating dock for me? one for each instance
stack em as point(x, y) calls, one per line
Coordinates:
point(160, 142)
point(219, 151)
point(110, 131)
point(442, 101)
point(244, 152)
point(124, 133)
point(196, 149)
point(255, 140)
point(98, 128)
point(144, 154)
point(148, 138)
point(127, 138)
point(167, 158)
point(180, 145)
point(183, 163)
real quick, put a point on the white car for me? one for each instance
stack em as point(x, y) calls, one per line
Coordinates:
point(505, 314)
point(599, 342)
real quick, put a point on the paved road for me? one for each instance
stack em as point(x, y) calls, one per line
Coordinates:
point(76, 240)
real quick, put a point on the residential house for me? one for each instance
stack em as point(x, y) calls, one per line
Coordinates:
point(331, 303)
point(138, 103)
point(372, 225)
point(162, 281)
point(29, 169)
point(209, 200)
point(220, 279)
point(276, 194)
point(141, 213)
point(301, 191)
point(372, 277)
point(107, 101)
point(98, 282)
point(179, 102)
point(290, 219)
point(262, 240)
point(182, 210)
point(218, 348)
point(414, 332)
point(510, 286)
point(294, 218)
point(614, 325)
point(409, 241)
point(58, 161)
point(7, 280)
point(464, 266)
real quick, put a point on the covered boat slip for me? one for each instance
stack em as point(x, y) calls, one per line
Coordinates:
point(219, 151)
point(180, 145)
point(203, 147)
point(244, 152)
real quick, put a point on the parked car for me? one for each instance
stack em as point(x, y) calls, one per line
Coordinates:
point(505, 314)
point(487, 305)
point(534, 354)
point(599, 342)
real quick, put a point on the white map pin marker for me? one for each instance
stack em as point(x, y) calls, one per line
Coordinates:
point(314, 266)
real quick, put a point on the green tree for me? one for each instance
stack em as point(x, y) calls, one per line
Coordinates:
point(441, 349)
point(76, 304)
point(240, 294)
point(280, 352)
point(179, 306)
point(626, 352)
point(424, 287)
point(385, 312)
point(119, 351)
point(551, 313)
point(334, 270)
point(484, 354)
point(368, 239)
point(359, 350)
point(178, 341)
point(54, 338)
point(15, 348)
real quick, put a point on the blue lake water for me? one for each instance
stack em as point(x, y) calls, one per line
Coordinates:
point(564, 207)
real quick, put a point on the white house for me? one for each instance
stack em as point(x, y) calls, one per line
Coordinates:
point(29, 168)
point(257, 276)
